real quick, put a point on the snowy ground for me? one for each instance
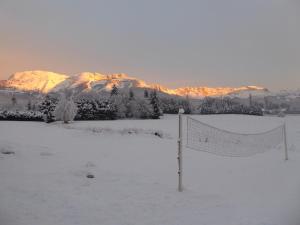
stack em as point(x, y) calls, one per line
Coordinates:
point(45, 183)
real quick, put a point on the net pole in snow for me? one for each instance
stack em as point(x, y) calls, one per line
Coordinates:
point(285, 143)
point(179, 157)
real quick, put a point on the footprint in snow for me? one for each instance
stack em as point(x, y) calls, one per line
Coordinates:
point(90, 165)
point(89, 175)
point(7, 150)
point(46, 154)
point(83, 173)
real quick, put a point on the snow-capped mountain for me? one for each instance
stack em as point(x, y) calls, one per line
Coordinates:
point(219, 91)
point(45, 82)
point(41, 81)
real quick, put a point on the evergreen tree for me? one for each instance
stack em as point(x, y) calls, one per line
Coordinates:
point(14, 100)
point(146, 94)
point(93, 109)
point(47, 107)
point(114, 90)
point(155, 105)
point(266, 103)
point(87, 109)
point(29, 106)
point(131, 95)
point(250, 100)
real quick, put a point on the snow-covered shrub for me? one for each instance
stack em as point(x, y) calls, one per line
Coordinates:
point(172, 105)
point(119, 105)
point(143, 109)
point(66, 109)
point(90, 109)
point(21, 115)
point(132, 109)
point(227, 106)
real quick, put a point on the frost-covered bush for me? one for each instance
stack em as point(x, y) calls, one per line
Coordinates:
point(119, 104)
point(91, 109)
point(144, 108)
point(172, 105)
point(21, 115)
point(131, 107)
point(66, 109)
point(227, 106)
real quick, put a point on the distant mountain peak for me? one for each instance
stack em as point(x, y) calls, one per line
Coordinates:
point(44, 81)
point(38, 80)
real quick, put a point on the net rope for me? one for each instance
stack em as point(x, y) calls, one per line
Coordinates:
point(207, 138)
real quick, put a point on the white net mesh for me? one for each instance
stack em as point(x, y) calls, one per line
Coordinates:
point(203, 137)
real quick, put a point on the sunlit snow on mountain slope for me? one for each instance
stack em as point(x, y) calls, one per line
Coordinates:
point(44, 81)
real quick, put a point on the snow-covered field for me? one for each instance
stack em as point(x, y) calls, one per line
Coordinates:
point(44, 182)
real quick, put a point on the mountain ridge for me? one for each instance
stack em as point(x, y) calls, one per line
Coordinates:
point(45, 82)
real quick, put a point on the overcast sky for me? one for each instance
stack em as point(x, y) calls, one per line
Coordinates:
point(175, 43)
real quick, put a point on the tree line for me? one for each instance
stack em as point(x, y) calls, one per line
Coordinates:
point(119, 105)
